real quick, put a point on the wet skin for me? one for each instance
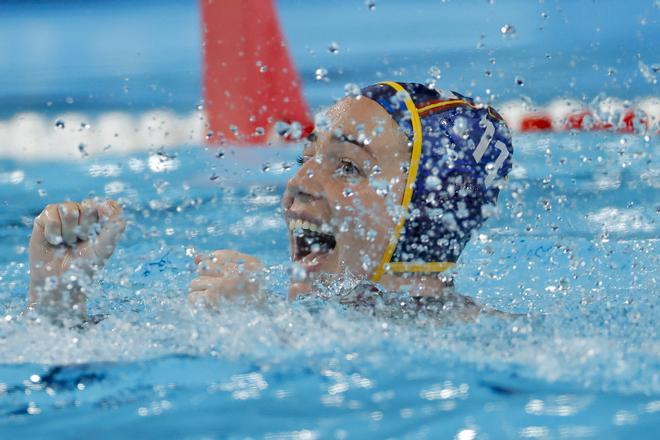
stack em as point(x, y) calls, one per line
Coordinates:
point(350, 185)
point(73, 238)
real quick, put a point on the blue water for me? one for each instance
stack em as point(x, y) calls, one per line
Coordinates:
point(581, 260)
point(132, 56)
point(574, 245)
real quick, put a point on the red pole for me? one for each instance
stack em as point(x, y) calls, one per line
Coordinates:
point(250, 82)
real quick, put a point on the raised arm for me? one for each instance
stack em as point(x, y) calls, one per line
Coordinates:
point(69, 243)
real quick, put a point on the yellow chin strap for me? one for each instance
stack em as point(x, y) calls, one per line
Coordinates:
point(385, 264)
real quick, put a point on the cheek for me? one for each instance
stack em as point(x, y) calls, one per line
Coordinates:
point(363, 244)
point(366, 218)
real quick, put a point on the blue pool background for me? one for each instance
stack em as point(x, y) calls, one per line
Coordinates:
point(575, 243)
point(128, 55)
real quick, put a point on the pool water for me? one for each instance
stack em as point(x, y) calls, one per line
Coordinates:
point(574, 246)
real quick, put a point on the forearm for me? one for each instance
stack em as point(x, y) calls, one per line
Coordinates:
point(58, 296)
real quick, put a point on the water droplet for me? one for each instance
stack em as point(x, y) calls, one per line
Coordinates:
point(59, 124)
point(433, 182)
point(347, 192)
point(85, 126)
point(333, 48)
point(435, 72)
point(220, 154)
point(488, 73)
point(371, 4)
point(379, 128)
point(281, 128)
point(460, 127)
point(83, 150)
point(519, 80)
point(298, 273)
point(363, 139)
point(321, 74)
point(380, 185)
point(508, 31)
point(200, 107)
point(647, 72)
point(322, 122)
point(352, 90)
point(259, 131)
point(233, 129)
point(295, 130)
point(265, 167)
point(209, 134)
point(545, 14)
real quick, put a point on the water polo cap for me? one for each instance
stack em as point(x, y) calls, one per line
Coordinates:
point(461, 151)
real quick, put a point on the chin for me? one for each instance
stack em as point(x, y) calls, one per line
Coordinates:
point(321, 272)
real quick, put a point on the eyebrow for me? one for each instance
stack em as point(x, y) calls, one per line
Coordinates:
point(351, 140)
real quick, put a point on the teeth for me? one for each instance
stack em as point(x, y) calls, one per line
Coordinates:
point(300, 224)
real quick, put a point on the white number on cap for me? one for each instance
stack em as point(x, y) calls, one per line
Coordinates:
point(484, 142)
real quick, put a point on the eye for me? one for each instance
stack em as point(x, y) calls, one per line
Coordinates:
point(348, 169)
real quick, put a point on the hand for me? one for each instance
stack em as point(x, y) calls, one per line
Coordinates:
point(71, 237)
point(225, 274)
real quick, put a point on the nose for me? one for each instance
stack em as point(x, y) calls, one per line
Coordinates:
point(303, 187)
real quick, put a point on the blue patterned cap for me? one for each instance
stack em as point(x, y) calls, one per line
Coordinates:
point(461, 152)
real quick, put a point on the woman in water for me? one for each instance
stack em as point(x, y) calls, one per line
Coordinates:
point(391, 185)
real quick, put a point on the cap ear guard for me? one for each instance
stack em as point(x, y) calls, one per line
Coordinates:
point(460, 151)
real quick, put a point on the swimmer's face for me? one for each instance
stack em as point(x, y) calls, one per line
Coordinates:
point(344, 201)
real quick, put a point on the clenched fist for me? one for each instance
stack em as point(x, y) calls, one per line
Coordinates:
point(225, 274)
point(69, 242)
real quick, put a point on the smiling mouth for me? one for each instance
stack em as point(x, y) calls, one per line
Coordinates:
point(311, 242)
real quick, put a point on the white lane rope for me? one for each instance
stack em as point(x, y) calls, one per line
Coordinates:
point(71, 136)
